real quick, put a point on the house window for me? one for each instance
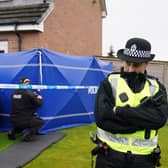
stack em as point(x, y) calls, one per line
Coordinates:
point(3, 46)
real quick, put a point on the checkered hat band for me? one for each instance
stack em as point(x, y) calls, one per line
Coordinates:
point(137, 53)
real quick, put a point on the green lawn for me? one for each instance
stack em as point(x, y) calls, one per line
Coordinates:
point(74, 150)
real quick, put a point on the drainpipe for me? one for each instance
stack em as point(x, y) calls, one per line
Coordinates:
point(19, 38)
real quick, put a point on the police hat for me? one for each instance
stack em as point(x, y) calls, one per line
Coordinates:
point(136, 50)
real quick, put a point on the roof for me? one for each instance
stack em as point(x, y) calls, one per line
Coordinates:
point(23, 14)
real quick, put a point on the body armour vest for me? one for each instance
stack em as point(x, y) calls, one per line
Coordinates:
point(134, 142)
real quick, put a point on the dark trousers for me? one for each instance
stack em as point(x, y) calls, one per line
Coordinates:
point(114, 159)
point(32, 126)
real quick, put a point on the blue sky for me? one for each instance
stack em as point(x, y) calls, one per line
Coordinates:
point(136, 18)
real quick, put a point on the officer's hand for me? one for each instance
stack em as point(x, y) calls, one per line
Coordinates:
point(39, 97)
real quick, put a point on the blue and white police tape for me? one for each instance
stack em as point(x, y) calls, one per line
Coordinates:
point(44, 87)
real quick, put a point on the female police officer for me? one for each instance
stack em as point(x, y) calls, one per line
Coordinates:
point(130, 107)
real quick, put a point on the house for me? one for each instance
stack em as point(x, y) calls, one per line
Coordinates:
point(68, 26)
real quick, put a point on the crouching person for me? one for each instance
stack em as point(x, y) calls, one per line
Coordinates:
point(23, 118)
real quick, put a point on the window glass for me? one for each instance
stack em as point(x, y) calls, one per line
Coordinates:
point(3, 46)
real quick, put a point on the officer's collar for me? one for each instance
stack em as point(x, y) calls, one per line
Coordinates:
point(133, 75)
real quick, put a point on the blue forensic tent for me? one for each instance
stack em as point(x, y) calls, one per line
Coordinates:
point(67, 83)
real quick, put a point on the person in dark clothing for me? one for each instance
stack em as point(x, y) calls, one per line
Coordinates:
point(23, 115)
point(130, 107)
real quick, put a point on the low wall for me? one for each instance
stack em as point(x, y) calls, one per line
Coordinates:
point(158, 69)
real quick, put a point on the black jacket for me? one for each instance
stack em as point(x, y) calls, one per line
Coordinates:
point(24, 103)
point(150, 115)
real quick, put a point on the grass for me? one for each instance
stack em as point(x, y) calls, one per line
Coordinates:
point(74, 150)
point(164, 147)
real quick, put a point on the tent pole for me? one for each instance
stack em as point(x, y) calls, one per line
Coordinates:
point(40, 63)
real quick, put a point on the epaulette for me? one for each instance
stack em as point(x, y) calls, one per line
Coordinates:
point(113, 73)
point(152, 77)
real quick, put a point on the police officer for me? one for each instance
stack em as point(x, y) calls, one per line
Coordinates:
point(24, 104)
point(130, 108)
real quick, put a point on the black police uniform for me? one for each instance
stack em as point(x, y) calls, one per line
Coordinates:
point(24, 104)
point(150, 115)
